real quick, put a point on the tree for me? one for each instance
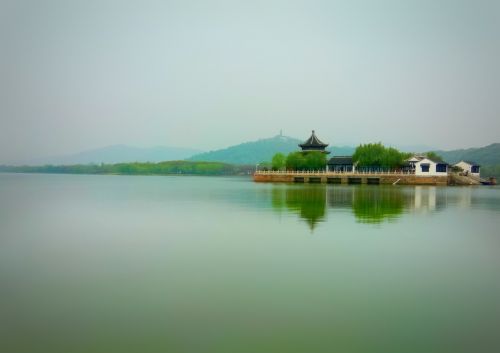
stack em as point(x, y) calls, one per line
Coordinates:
point(295, 161)
point(378, 156)
point(315, 160)
point(278, 161)
point(434, 156)
point(312, 160)
point(392, 158)
point(369, 155)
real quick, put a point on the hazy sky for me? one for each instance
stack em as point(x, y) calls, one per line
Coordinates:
point(206, 74)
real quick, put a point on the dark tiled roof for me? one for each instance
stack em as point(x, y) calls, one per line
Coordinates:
point(472, 163)
point(415, 157)
point(436, 161)
point(313, 141)
point(340, 160)
point(420, 158)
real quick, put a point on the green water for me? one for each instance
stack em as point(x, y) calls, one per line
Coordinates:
point(207, 264)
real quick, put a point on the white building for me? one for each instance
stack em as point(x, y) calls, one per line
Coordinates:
point(469, 167)
point(423, 166)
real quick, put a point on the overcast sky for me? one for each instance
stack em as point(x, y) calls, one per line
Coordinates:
point(76, 75)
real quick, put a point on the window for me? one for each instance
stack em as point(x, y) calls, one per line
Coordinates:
point(441, 168)
point(475, 169)
point(424, 168)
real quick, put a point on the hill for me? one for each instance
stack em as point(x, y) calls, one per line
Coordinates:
point(259, 151)
point(117, 154)
point(485, 156)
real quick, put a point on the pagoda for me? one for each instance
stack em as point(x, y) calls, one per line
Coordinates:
point(313, 143)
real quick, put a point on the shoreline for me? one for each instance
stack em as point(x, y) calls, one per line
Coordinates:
point(350, 178)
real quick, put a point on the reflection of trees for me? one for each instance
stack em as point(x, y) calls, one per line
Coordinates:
point(278, 196)
point(341, 196)
point(376, 204)
point(308, 201)
point(369, 204)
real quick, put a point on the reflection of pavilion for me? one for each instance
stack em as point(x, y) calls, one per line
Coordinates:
point(308, 202)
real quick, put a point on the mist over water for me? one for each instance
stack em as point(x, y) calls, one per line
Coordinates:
point(202, 264)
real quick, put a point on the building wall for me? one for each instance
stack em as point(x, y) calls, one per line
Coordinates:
point(342, 168)
point(399, 179)
point(432, 168)
point(466, 167)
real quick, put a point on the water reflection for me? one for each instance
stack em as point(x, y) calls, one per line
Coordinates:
point(368, 204)
point(308, 202)
point(225, 266)
point(375, 205)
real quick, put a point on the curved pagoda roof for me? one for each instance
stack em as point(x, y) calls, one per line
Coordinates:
point(313, 141)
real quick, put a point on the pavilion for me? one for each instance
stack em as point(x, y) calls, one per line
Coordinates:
point(313, 143)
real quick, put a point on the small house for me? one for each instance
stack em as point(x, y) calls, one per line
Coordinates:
point(409, 164)
point(469, 167)
point(340, 164)
point(428, 167)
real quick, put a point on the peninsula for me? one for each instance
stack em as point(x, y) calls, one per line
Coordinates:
point(370, 164)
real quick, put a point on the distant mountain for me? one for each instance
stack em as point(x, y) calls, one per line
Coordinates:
point(488, 155)
point(118, 154)
point(414, 148)
point(341, 150)
point(246, 153)
point(260, 151)
point(263, 150)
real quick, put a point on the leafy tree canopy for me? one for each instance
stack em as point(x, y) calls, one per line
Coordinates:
point(278, 162)
point(434, 156)
point(377, 155)
point(312, 160)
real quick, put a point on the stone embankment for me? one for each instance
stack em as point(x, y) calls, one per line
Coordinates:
point(396, 178)
point(457, 179)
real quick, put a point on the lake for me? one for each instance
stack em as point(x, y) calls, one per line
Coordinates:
point(223, 264)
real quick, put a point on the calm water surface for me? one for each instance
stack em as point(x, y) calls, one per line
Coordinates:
point(202, 264)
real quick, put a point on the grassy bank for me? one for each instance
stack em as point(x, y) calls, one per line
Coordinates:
point(162, 168)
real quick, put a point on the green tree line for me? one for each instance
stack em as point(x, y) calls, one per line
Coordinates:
point(162, 168)
point(311, 160)
point(377, 155)
point(371, 155)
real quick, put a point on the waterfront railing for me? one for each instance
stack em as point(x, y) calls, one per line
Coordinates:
point(331, 172)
